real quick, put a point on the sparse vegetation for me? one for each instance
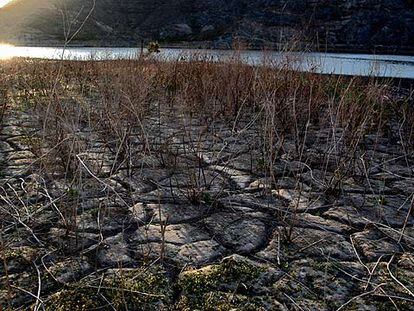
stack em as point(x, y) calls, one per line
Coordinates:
point(221, 287)
point(123, 289)
point(126, 162)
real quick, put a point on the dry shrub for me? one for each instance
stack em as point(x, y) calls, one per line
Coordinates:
point(3, 104)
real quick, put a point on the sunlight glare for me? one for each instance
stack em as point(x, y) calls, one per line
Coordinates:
point(4, 2)
point(6, 51)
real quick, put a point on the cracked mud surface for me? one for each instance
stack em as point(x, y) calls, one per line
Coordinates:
point(197, 224)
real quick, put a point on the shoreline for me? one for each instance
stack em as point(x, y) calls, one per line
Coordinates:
point(393, 50)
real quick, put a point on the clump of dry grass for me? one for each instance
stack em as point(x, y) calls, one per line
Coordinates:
point(3, 104)
point(113, 98)
point(4, 91)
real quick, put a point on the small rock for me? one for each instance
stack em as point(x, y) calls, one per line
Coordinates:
point(201, 252)
point(115, 253)
point(170, 213)
point(373, 244)
point(70, 270)
point(175, 234)
point(306, 242)
point(242, 235)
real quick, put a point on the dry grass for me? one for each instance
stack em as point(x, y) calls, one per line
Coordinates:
point(113, 99)
point(123, 109)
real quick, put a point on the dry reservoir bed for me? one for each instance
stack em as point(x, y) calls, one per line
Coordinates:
point(137, 185)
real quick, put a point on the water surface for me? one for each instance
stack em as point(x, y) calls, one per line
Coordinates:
point(327, 63)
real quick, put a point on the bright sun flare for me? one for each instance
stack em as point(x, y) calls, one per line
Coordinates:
point(4, 2)
point(6, 51)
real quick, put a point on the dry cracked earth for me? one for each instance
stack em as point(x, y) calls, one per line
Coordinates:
point(190, 222)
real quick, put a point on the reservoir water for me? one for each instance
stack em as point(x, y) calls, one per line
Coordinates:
point(327, 63)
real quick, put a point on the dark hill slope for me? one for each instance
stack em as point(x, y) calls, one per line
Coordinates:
point(331, 24)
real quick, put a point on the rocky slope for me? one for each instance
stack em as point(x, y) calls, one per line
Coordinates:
point(334, 24)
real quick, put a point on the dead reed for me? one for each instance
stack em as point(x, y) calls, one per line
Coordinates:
point(114, 99)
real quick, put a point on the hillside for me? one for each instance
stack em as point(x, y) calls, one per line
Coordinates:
point(333, 25)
